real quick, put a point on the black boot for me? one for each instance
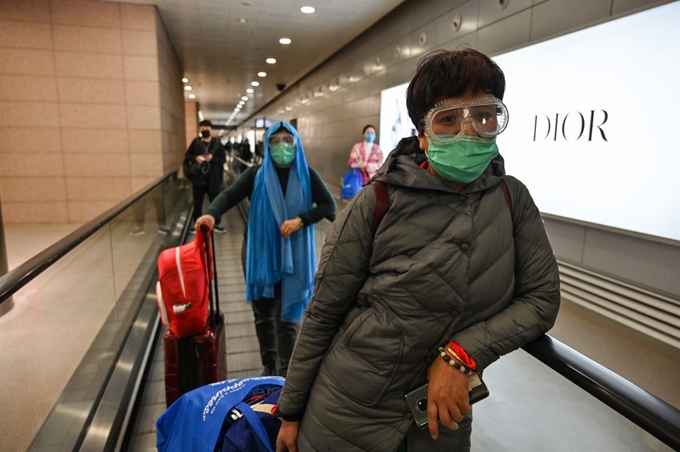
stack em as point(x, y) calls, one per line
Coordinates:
point(269, 370)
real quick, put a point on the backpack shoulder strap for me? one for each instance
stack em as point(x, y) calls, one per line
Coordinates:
point(382, 204)
point(506, 194)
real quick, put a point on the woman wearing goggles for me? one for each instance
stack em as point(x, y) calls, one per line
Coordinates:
point(287, 197)
point(456, 271)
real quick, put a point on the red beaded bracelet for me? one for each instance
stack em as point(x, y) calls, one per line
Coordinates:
point(452, 362)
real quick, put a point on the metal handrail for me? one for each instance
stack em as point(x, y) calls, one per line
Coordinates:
point(652, 414)
point(26, 272)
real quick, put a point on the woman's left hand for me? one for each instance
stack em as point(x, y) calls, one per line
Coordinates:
point(290, 226)
point(447, 396)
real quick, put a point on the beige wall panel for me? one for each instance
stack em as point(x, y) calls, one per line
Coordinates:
point(14, 139)
point(31, 164)
point(90, 91)
point(28, 113)
point(88, 73)
point(26, 62)
point(164, 77)
point(89, 65)
point(172, 160)
point(166, 120)
point(93, 116)
point(98, 188)
point(190, 121)
point(25, 10)
point(25, 35)
point(95, 141)
point(142, 93)
point(140, 182)
point(84, 211)
point(143, 117)
point(33, 189)
point(87, 13)
point(35, 212)
point(21, 87)
point(138, 17)
point(87, 39)
point(145, 141)
point(146, 165)
point(141, 68)
point(89, 165)
point(141, 43)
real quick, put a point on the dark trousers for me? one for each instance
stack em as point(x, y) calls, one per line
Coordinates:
point(199, 192)
point(276, 338)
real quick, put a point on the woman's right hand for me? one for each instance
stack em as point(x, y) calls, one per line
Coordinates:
point(287, 439)
point(205, 219)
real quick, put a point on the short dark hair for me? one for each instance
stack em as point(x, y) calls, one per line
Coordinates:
point(445, 73)
point(206, 123)
point(367, 126)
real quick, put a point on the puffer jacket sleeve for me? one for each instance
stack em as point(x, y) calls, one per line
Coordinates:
point(343, 269)
point(536, 298)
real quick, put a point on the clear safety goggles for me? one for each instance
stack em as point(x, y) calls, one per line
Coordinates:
point(448, 121)
point(285, 138)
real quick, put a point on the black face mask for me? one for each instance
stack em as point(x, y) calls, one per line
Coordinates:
point(205, 133)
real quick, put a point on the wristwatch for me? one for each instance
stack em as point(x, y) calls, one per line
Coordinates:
point(302, 223)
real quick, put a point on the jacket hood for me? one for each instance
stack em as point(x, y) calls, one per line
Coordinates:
point(402, 168)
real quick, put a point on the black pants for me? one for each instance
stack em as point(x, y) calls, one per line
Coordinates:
point(199, 192)
point(276, 338)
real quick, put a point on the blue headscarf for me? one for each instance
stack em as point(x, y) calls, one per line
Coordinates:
point(269, 257)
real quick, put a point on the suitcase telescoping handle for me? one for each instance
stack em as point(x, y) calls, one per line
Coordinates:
point(213, 288)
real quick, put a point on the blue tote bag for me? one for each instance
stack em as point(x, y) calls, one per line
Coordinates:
point(194, 422)
point(351, 184)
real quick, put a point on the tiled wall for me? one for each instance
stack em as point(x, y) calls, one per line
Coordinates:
point(170, 75)
point(386, 55)
point(190, 121)
point(83, 88)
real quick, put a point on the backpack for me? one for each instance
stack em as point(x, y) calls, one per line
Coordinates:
point(232, 415)
point(382, 202)
point(182, 291)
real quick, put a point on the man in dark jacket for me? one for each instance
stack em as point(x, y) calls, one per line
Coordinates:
point(203, 166)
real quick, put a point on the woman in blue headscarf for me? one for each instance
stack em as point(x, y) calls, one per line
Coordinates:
point(287, 198)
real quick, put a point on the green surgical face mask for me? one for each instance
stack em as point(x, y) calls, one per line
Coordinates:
point(462, 161)
point(282, 154)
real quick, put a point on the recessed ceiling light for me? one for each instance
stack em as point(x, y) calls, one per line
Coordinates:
point(255, 83)
point(241, 102)
point(249, 91)
point(261, 74)
point(307, 9)
point(285, 41)
point(185, 80)
point(242, 20)
point(192, 96)
point(187, 88)
point(244, 98)
point(271, 60)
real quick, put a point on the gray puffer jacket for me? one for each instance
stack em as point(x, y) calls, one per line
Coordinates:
point(443, 265)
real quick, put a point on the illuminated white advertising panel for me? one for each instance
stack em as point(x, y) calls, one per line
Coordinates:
point(594, 122)
point(394, 121)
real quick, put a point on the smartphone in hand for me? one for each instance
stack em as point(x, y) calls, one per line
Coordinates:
point(417, 399)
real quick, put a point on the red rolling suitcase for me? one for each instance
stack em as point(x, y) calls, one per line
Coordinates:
point(200, 359)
